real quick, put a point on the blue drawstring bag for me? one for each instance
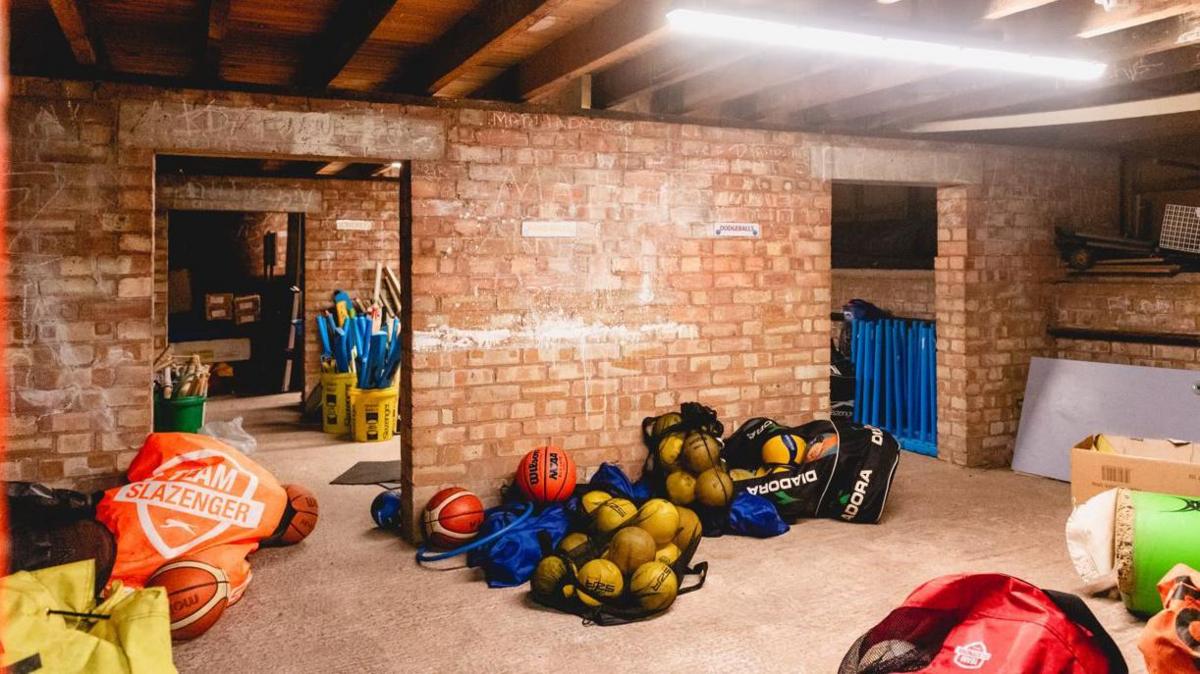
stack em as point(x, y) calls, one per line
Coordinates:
point(753, 515)
point(510, 559)
point(611, 479)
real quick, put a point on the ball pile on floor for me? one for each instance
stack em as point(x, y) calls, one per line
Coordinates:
point(693, 467)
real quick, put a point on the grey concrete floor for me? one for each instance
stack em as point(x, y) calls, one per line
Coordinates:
point(351, 598)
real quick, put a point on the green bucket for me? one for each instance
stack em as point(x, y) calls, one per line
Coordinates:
point(179, 415)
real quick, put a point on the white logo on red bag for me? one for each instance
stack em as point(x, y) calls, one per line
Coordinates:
point(971, 656)
point(211, 497)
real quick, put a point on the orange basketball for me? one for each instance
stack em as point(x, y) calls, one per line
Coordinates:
point(303, 509)
point(197, 593)
point(452, 517)
point(546, 475)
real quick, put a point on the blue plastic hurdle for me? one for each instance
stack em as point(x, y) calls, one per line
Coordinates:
point(895, 365)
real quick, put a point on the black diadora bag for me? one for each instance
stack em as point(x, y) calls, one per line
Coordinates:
point(839, 471)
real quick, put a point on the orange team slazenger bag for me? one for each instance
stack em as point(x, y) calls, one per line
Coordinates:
point(1171, 641)
point(190, 496)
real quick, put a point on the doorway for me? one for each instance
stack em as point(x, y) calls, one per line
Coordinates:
point(883, 351)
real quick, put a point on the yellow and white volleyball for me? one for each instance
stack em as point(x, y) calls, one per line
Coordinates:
point(669, 449)
point(613, 514)
point(784, 448)
point(681, 488)
point(592, 500)
point(659, 518)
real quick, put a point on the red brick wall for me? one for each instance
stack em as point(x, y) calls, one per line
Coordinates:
point(904, 292)
point(1133, 305)
point(524, 340)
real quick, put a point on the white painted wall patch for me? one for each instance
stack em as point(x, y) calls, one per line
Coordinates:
point(356, 225)
point(549, 229)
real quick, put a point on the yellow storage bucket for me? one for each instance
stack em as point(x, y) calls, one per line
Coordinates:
point(336, 412)
point(375, 413)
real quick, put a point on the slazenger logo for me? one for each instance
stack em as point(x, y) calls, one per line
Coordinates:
point(971, 656)
point(859, 495)
point(782, 483)
point(217, 494)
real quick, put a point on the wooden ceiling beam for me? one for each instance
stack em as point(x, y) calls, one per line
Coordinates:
point(998, 9)
point(747, 76)
point(655, 69)
point(1124, 16)
point(1154, 107)
point(619, 34)
point(73, 19)
point(352, 23)
point(216, 17)
point(858, 79)
point(469, 41)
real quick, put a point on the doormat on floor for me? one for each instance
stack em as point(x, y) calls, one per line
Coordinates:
point(371, 472)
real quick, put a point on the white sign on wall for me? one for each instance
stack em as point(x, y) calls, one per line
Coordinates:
point(750, 230)
point(553, 229)
point(355, 225)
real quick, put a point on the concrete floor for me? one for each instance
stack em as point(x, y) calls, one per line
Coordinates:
point(351, 598)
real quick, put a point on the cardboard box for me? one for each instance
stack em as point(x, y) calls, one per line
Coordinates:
point(1165, 466)
point(218, 306)
point(247, 309)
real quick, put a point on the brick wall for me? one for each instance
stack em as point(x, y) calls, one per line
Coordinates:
point(904, 292)
point(335, 260)
point(1133, 305)
point(522, 340)
point(255, 226)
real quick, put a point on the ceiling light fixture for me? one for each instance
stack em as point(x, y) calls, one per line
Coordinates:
point(774, 33)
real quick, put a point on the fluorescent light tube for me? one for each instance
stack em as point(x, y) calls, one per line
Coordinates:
point(774, 33)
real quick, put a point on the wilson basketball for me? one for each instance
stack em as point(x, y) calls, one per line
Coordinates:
point(546, 475)
point(197, 594)
point(303, 510)
point(452, 517)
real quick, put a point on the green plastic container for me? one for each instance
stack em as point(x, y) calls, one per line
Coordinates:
point(180, 415)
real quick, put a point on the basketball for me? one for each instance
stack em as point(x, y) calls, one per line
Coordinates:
point(669, 449)
point(197, 594)
point(714, 488)
point(546, 475)
point(385, 510)
point(592, 500)
point(302, 510)
point(572, 541)
point(658, 518)
point(614, 514)
point(784, 448)
point(631, 547)
point(681, 488)
point(549, 575)
point(668, 554)
point(599, 580)
point(452, 517)
point(701, 451)
point(689, 528)
point(654, 585)
point(666, 421)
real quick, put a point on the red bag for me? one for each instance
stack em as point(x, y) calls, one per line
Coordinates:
point(987, 623)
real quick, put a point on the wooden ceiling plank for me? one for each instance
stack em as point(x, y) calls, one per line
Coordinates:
point(217, 19)
point(333, 168)
point(1130, 15)
point(859, 79)
point(74, 21)
point(469, 41)
point(352, 23)
point(708, 92)
point(998, 9)
point(626, 30)
point(1154, 107)
point(656, 69)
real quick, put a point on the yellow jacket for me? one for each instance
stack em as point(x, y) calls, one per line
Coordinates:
point(41, 625)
